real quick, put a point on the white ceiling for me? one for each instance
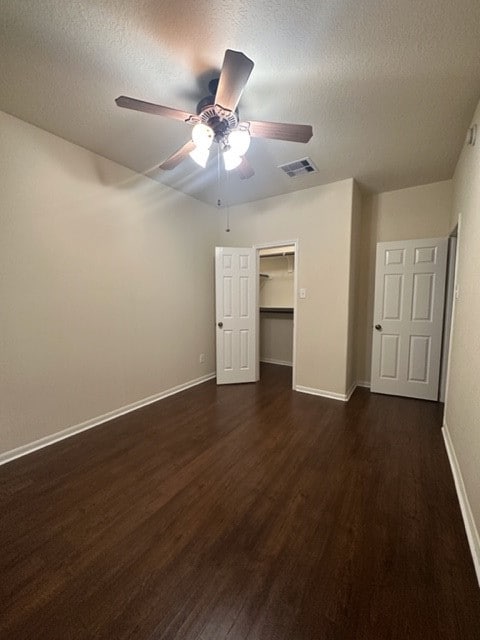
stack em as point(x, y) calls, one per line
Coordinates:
point(388, 85)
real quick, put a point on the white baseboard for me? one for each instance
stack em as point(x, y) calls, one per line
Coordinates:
point(8, 456)
point(320, 392)
point(274, 361)
point(350, 392)
point(363, 383)
point(344, 397)
point(468, 521)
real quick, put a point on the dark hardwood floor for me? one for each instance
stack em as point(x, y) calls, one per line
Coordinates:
point(243, 512)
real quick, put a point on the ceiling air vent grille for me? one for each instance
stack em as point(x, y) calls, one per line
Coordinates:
point(298, 167)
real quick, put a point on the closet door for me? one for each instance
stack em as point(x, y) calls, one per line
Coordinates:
point(235, 295)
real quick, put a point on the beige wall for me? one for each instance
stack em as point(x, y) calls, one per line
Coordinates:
point(320, 218)
point(406, 214)
point(463, 388)
point(106, 285)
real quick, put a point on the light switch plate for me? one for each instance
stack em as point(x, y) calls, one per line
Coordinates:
point(303, 293)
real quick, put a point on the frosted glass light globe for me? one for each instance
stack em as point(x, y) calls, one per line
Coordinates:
point(231, 160)
point(239, 141)
point(202, 135)
point(200, 155)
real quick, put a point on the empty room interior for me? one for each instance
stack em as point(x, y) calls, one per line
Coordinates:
point(240, 320)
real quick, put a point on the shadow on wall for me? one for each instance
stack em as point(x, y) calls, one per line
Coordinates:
point(366, 287)
point(79, 168)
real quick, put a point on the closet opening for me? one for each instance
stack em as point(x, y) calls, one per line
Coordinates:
point(277, 295)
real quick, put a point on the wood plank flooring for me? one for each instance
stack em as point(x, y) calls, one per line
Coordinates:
point(247, 512)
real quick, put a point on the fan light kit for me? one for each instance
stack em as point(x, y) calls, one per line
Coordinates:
point(217, 120)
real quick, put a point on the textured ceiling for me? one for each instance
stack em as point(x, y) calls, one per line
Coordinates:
point(389, 86)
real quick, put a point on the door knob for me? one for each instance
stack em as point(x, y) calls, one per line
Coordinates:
point(220, 324)
point(378, 327)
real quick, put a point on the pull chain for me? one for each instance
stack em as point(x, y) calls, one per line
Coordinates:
point(219, 202)
point(227, 229)
point(218, 175)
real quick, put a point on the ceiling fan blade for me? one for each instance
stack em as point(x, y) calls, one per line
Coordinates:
point(176, 158)
point(149, 107)
point(281, 131)
point(245, 169)
point(236, 70)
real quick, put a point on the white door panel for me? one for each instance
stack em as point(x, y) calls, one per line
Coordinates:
point(408, 317)
point(235, 293)
point(389, 363)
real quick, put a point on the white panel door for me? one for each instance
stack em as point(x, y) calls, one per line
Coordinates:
point(235, 296)
point(408, 317)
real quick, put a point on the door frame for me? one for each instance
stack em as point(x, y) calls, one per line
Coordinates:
point(448, 310)
point(458, 229)
point(273, 245)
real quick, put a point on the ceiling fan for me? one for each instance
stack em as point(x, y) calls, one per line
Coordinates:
point(217, 120)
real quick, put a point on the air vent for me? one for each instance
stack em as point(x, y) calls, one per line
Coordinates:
point(298, 168)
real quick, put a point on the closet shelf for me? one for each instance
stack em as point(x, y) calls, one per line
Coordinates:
point(276, 309)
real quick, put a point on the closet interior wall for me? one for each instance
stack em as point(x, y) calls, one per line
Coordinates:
point(276, 308)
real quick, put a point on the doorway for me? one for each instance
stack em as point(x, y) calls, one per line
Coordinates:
point(277, 294)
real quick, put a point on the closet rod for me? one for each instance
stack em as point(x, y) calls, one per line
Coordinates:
point(276, 255)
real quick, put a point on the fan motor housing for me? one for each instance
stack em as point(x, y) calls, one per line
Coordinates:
point(219, 120)
point(204, 103)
